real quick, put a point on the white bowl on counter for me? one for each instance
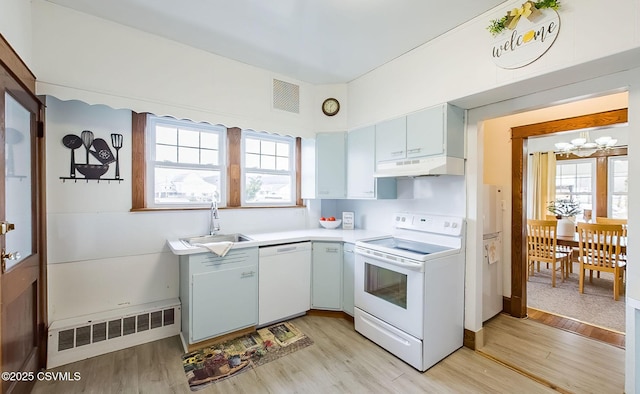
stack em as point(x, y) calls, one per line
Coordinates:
point(330, 224)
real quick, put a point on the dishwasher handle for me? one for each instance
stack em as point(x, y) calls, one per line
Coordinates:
point(285, 248)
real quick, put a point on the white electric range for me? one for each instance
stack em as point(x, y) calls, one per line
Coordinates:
point(409, 288)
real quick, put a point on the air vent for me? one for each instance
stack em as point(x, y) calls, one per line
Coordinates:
point(99, 332)
point(66, 339)
point(286, 96)
point(102, 334)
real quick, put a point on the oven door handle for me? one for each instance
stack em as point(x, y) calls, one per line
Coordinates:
point(411, 267)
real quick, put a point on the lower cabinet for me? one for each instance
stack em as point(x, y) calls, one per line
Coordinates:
point(218, 294)
point(326, 288)
point(348, 279)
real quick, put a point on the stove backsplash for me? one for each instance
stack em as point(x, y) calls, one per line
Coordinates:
point(441, 195)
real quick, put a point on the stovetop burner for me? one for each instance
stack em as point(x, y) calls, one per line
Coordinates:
point(407, 245)
point(417, 238)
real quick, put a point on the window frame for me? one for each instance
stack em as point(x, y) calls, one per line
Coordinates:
point(291, 171)
point(594, 185)
point(232, 141)
point(150, 149)
point(610, 180)
point(602, 176)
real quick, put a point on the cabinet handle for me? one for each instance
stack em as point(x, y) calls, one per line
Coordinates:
point(331, 250)
point(249, 274)
point(396, 153)
point(348, 250)
point(415, 150)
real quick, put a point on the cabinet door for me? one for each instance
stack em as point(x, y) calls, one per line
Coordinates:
point(391, 139)
point(348, 278)
point(425, 132)
point(361, 163)
point(223, 301)
point(330, 165)
point(327, 276)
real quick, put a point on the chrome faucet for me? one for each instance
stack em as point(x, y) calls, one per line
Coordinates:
point(214, 220)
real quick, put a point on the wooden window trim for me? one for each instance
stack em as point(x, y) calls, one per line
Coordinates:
point(601, 174)
point(234, 154)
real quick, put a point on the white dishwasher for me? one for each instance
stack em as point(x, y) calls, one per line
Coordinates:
point(284, 282)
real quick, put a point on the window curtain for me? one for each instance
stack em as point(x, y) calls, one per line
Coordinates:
point(544, 183)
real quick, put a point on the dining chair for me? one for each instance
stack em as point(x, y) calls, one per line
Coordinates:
point(565, 249)
point(542, 248)
point(599, 250)
point(622, 222)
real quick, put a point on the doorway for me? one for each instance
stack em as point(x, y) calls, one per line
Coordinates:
point(497, 169)
point(520, 137)
point(23, 303)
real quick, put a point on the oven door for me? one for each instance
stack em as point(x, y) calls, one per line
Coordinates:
point(390, 291)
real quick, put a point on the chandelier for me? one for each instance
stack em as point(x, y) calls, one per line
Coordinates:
point(583, 147)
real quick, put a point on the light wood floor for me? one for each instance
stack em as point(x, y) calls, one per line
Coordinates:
point(566, 361)
point(614, 338)
point(343, 361)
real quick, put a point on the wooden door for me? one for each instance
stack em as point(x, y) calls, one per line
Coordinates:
point(22, 274)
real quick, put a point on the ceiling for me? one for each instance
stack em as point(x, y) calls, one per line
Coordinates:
point(320, 42)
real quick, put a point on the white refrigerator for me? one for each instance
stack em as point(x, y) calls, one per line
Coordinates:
point(492, 264)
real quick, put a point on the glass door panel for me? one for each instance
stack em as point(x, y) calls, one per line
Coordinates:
point(385, 284)
point(18, 174)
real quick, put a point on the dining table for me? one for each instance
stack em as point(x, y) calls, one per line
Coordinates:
point(574, 241)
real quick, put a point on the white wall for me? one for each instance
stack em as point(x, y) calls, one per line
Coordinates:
point(126, 68)
point(423, 194)
point(101, 256)
point(458, 64)
point(16, 27)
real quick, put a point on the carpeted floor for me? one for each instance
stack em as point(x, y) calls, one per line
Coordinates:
point(596, 306)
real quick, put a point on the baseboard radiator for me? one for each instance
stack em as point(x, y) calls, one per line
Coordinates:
point(79, 338)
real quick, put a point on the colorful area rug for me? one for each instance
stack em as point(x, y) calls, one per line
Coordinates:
point(229, 358)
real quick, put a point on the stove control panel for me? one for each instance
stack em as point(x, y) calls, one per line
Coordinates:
point(448, 225)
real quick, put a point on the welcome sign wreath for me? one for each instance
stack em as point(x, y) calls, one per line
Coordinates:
point(524, 34)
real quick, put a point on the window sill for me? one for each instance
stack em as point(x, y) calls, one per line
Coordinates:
point(168, 209)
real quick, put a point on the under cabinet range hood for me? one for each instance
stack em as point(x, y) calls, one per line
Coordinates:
point(439, 165)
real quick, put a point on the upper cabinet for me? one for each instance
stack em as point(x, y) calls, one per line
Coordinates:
point(391, 139)
point(361, 166)
point(432, 138)
point(425, 132)
point(323, 166)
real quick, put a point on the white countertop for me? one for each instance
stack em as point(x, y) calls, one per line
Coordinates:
point(283, 237)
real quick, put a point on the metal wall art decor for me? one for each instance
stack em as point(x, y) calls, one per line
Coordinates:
point(97, 159)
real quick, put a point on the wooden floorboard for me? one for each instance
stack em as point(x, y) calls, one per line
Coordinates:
point(565, 323)
point(566, 361)
point(339, 361)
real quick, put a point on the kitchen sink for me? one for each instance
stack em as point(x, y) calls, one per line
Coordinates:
point(205, 239)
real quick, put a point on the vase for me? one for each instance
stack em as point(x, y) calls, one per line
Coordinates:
point(566, 227)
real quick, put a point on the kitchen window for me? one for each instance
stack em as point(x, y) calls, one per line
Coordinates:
point(185, 163)
point(181, 164)
point(268, 169)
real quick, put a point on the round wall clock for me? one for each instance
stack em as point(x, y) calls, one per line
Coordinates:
point(330, 106)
